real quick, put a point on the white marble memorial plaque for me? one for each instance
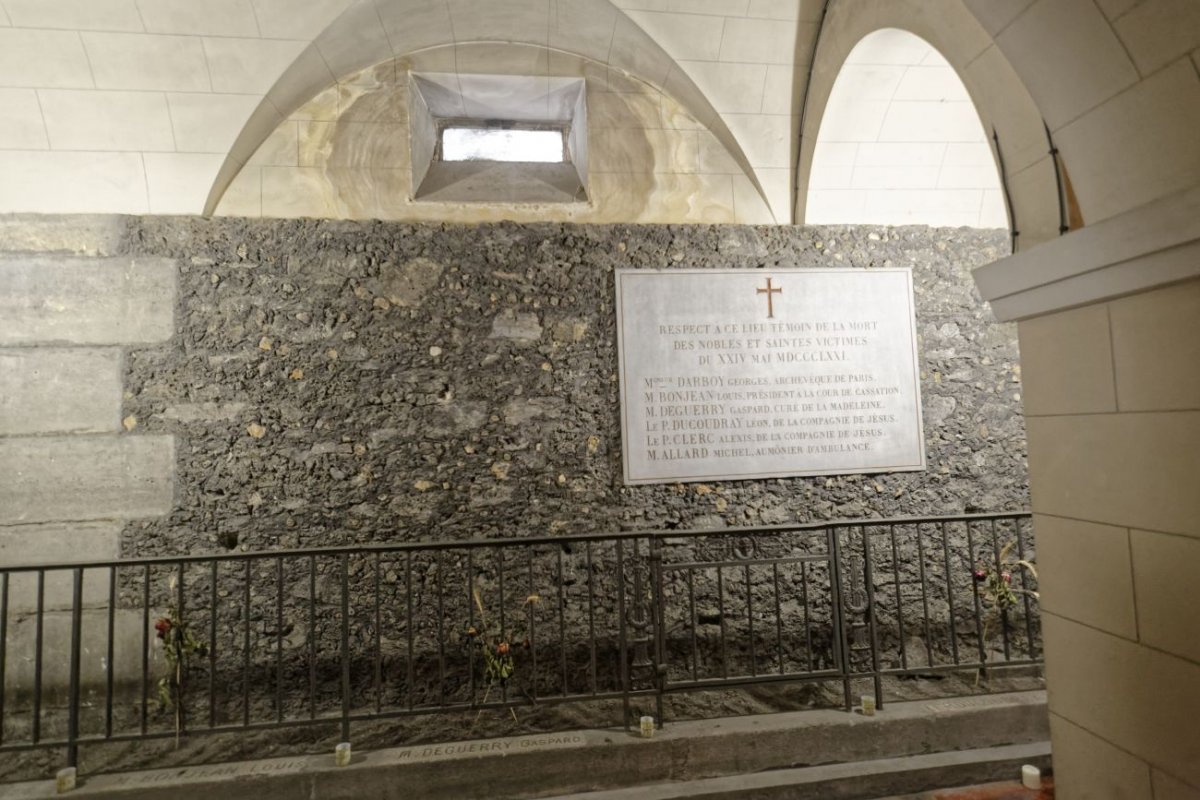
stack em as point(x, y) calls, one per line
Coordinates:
point(729, 374)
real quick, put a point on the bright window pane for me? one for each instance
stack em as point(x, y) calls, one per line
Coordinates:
point(494, 144)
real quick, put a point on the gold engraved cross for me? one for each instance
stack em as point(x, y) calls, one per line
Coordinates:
point(770, 301)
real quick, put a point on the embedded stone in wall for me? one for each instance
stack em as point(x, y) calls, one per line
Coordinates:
point(407, 284)
point(513, 325)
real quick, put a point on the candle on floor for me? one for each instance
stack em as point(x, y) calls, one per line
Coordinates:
point(868, 705)
point(647, 727)
point(341, 754)
point(64, 781)
point(1031, 777)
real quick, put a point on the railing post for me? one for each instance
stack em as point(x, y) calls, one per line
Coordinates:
point(345, 647)
point(835, 586)
point(869, 583)
point(76, 655)
point(657, 617)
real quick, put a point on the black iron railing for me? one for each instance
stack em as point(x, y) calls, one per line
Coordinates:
point(339, 636)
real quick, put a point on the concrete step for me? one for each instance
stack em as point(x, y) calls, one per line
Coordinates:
point(557, 764)
point(858, 780)
point(76, 234)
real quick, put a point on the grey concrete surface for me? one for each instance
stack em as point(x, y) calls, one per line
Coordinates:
point(597, 760)
point(56, 478)
point(77, 234)
point(860, 780)
point(59, 390)
point(58, 543)
point(49, 299)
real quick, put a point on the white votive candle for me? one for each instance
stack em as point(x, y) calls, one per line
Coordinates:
point(1031, 777)
point(647, 727)
point(868, 705)
point(64, 780)
point(341, 754)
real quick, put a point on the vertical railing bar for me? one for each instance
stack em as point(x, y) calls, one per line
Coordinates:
point(408, 590)
point(899, 600)
point(439, 561)
point(950, 595)
point(1024, 589)
point(975, 594)
point(500, 551)
point(312, 637)
point(378, 642)
point(842, 650)
point(37, 663)
point(212, 646)
point(471, 622)
point(623, 671)
point(924, 596)
point(76, 657)
point(869, 580)
point(1003, 612)
point(562, 623)
point(4, 645)
point(591, 613)
point(808, 653)
point(109, 654)
point(531, 607)
point(658, 620)
point(750, 621)
point(721, 618)
point(181, 707)
point(246, 645)
point(345, 647)
point(691, 578)
point(279, 639)
point(778, 614)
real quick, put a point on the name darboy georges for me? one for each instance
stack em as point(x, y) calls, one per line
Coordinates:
point(733, 375)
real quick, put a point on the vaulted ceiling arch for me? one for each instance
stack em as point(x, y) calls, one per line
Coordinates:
point(371, 31)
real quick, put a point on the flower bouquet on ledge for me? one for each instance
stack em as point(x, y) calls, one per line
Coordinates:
point(994, 586)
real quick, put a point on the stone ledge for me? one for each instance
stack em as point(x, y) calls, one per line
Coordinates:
point(71, 478)
point(593, 760)
point(855, 779)
point(47, 299)
point(1154, 245)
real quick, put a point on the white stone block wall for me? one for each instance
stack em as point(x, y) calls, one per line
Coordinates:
point(72, 471)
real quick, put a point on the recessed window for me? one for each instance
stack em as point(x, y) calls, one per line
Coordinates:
point(462, 143)
point(498, 138)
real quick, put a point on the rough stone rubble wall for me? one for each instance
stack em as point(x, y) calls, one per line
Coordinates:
point(338, 382)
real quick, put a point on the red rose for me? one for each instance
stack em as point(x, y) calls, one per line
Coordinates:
point(163, 626)
point(1007, 577)
point(980, 575)
point(502, 649)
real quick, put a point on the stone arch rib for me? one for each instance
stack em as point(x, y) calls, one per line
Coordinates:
point(1002, 101)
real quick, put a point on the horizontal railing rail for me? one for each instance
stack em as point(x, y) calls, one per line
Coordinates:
point(164, 647)
point(493, 542)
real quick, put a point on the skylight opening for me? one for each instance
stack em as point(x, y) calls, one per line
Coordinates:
point(543, 146)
